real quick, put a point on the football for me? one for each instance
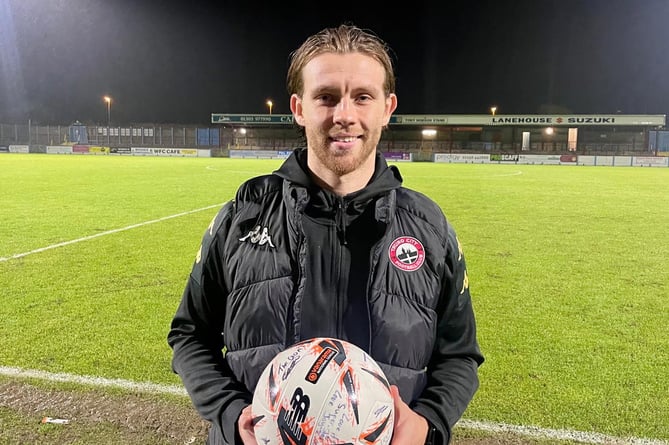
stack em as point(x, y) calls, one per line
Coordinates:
point(323, 391)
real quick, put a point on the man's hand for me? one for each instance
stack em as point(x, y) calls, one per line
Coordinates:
point(245, 427)
point(410, 428)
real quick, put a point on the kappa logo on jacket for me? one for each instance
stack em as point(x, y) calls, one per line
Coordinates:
point(407, 253)
point(258, 236)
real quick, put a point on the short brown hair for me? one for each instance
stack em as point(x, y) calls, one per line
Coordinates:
point(343, 39)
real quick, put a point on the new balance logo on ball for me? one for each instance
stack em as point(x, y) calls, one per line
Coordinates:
point(289, 421)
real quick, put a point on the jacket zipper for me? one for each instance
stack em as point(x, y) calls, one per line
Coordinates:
point(340, 225)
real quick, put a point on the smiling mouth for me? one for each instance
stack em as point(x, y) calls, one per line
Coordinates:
point(346, 139)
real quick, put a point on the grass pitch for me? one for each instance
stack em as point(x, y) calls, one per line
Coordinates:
point(568, 265)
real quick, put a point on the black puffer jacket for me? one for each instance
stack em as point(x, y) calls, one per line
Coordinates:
point(286, 261)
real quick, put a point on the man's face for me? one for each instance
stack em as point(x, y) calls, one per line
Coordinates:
point(343, 110)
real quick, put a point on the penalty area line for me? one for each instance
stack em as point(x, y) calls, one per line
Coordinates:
point(108, 232)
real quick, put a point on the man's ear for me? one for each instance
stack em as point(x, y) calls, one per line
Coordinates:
point(296, 109)
point(391, 106)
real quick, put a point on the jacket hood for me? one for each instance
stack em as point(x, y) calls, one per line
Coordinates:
point(326, 206)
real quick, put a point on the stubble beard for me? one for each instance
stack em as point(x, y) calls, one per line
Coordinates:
point(341, 162)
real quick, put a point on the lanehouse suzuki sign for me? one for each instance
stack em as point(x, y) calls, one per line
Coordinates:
point(580, 120)
point(572, 120)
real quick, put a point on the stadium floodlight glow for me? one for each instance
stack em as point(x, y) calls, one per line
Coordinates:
point(429, 132)
point(270, 104)
point(108, 100)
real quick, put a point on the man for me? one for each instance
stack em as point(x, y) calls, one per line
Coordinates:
point(331, 245)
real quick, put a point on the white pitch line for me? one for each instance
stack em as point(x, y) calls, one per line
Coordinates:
point(577, 436)
point(94, 381)
point(108, 232)
point(545, 433)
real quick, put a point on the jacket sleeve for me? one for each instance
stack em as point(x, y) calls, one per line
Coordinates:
point(453, 369)
point(196, 335)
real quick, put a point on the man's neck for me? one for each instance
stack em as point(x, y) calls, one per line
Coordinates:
point(346, 184)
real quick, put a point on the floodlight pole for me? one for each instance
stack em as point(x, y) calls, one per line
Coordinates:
point(108, 100)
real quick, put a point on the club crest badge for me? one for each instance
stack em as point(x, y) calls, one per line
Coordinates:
point(407, 253)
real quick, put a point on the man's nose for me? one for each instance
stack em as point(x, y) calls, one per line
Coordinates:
point(344, 112)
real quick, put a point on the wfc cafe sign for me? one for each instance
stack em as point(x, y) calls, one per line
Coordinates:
point(644, 120)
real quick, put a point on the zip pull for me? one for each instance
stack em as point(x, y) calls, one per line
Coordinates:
point(341, 221)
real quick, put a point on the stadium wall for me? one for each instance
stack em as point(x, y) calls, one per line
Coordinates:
point(609, 161)
point(100, 150)
point(459, 158)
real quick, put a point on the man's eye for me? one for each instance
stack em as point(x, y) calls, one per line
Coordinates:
point(326, 99)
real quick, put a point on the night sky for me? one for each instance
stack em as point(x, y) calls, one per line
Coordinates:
point(179, 61)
